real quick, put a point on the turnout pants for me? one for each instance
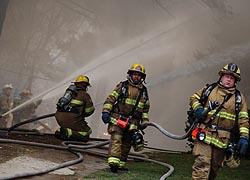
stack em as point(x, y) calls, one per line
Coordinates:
point(119, 146)
point(208, 160)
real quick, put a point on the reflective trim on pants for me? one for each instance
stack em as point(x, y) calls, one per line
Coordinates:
point(113, 160)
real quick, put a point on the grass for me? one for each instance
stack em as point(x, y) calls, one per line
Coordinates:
point(182, 164)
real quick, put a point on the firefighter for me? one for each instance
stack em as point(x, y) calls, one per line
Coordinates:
point(26, 112)
point(72, 109)
point(6, 104)
point(216, 131)
point(125, 110)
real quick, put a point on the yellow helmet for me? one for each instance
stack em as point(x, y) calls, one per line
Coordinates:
point(82, 79)
point(232, 69)
point(137, 68)
point(25, 92)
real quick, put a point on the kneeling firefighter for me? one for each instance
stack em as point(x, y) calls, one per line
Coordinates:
point(125, 110)
point(223, 132)
point(72, 108)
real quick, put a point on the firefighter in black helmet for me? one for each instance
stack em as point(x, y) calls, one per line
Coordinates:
point(219, 126)
point(125, 110)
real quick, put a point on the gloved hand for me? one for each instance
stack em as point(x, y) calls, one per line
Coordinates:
point(242, 145)
point(105, 117)
point(199, 116)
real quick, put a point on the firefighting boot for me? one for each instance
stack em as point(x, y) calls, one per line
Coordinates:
point(113, 167)
point(122, 166)
point(61, 134)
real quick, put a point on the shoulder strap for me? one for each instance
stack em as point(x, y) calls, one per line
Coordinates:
point(123, 92)
point(234, 131)
point(137, 101)
point(206, 92)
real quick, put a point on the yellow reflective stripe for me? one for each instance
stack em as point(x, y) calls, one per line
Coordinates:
point(244, 130)
point(114, 160)
point(84, 133)
point(69, 132)
point(145, 116)
point(196, 96)
point(108, 106)
point(122, 164)
point(113, 120)
point(216, 142)
point(224, 115)
point(130, 101)
point(90, 109)
point(115, 94)
point(133, 127)
point(196, 104)
point(77, 102)
point(243, 114)
point(141, 105)
point(147, 103)
point(133, 102)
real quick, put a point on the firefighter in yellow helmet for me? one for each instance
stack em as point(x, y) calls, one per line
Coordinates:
point(26, 112)
point(222, 133)
point(6, 103)
point(72, 109)
point(125, 110)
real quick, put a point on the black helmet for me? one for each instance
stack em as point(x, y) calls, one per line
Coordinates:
point(232, 69)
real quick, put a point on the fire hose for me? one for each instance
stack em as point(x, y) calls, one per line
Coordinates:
point(72, 148)
point(75, 149)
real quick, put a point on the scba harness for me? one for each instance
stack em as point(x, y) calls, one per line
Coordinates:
point(199, 133)
point(137, 140)
point(63, 104)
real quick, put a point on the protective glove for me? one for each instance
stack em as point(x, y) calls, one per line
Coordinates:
point(105, 117)
point(199, 115)
point(242, 145)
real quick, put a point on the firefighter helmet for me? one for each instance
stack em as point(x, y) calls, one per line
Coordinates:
point(8, 86)
point(137, 68)
point(232, 69)
point(82, 79)
point(232, 162)
point(25, 92)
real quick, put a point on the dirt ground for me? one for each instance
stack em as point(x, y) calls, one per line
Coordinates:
point(89, 164)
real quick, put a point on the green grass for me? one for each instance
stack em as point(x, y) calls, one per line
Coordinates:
point(182, 164)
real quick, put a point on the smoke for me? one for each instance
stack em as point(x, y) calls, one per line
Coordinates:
point(183, 45)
